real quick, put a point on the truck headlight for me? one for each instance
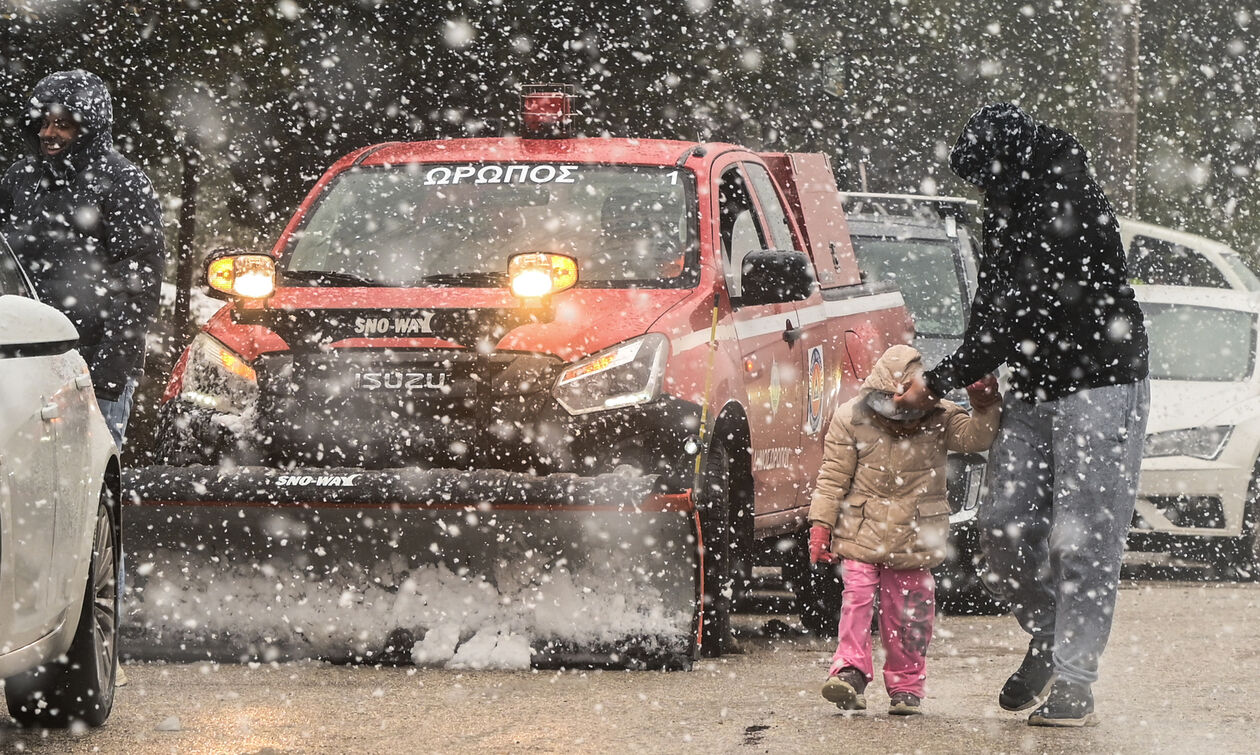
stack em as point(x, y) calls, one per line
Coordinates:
point(1199, 442)
point(627, 374)
point(217, 378)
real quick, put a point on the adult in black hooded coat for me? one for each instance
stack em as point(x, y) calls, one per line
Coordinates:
point(1054, 304)
point(86, 224)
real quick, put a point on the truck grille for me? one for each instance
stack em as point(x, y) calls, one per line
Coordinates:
point(391, 407)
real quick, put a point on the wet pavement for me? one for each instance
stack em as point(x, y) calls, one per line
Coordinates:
point(1182, 674)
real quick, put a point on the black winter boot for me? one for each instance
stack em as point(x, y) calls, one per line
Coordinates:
point(1033, 677)
point(1069, 704)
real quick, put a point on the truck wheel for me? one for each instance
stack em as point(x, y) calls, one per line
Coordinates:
point(819, 591)
point(715, 529)
point(78, 686)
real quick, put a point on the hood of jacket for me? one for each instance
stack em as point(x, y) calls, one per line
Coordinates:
point(86, 97)
point(1002, 148)
point(893, 369)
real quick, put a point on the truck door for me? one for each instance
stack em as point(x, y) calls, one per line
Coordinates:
point(808, 347)
point(766, 333)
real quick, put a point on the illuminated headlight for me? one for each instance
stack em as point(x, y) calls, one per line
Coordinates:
point(1199, 442)
point(627, 374)
point(217, 378)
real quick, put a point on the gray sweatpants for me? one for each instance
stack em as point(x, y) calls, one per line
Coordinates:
point(1063, 479)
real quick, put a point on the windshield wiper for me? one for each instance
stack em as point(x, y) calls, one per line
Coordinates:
point(333, 276)
point(473, 277)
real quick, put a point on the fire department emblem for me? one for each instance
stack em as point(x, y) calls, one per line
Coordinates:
point(817, 384)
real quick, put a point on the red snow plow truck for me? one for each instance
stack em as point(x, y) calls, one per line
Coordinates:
point(507, 401)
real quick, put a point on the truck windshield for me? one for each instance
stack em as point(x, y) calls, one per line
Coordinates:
point(927, 274)
point(457, 224)
point(1200, 343)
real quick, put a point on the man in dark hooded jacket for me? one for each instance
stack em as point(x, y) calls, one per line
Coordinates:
point(86, 224)
point(1053, 304)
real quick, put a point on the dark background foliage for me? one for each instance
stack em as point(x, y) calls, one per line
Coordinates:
point(274, 92)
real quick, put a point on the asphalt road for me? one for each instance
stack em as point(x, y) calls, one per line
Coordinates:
point(1182, 674)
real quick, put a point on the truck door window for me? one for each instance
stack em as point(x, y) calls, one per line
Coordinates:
point(1159, 262)
point(738, 226)
point(771, 207)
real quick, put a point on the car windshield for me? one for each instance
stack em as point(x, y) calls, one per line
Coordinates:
point(1200, 343)
point(457, 224)
point(927, 274)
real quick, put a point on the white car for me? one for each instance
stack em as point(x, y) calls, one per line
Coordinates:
point(1162, 256)
point(1199, 494)
point(59, 526)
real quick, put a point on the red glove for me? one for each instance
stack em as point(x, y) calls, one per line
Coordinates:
point(984, 392)
point(820, 545)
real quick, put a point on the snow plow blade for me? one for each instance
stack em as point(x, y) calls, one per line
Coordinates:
point(462, 569)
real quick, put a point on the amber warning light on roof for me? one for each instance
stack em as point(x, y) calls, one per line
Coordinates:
point(547, 111)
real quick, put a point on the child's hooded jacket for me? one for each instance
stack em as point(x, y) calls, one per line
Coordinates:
point(881, 487)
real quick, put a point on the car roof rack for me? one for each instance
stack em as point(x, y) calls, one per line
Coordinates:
point(959, 208)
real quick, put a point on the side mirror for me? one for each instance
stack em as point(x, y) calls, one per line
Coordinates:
point(770, 276)
point(29, 328)
point(238, 274)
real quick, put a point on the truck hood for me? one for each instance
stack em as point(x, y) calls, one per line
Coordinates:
point(580, 322)
point(1178, 404)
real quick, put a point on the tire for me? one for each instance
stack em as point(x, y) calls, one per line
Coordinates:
point(1239, 558)
point(79, 686)
point(818, 588)
point(1249, 547)
point(715, 529)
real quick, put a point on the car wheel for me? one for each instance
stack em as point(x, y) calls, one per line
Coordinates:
point(79, 686)
point(715, 530)
point(1247, 550)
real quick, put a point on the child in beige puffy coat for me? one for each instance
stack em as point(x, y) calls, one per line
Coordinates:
point(881, 505)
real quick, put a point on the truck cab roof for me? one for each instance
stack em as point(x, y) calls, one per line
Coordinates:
point(514, 149)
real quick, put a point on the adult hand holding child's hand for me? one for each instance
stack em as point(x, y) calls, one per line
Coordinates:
point(984, 392)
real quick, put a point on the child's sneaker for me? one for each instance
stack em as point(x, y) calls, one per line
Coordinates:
point(846, 688)
point(904, 704)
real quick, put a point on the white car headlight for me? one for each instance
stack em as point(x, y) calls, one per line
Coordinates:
point(627, 374)
point(1199, 442)
point(217, 378)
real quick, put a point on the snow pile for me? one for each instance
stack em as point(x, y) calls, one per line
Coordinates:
point(304, 607)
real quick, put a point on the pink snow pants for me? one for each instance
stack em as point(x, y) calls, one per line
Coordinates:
point(907, 608)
